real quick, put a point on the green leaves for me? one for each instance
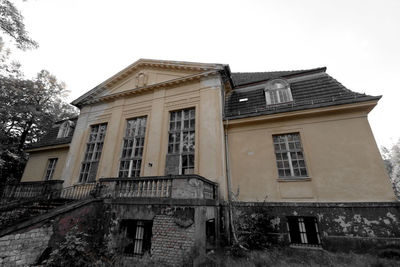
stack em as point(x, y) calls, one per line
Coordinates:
point(12, 24)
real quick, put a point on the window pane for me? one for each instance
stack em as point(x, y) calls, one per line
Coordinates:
point(289, 144)
point(182, 141)
point(132, 152)
point(93, 153)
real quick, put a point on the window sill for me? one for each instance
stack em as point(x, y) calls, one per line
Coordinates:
point(294, 179)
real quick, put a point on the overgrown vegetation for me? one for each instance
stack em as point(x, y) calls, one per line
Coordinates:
point(76, 250)
point(253, 231)
point(283, 257)
point(391, 158)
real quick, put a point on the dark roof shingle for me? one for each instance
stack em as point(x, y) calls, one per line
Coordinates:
point(313, 92)
point(243, 78)
point(50, 139)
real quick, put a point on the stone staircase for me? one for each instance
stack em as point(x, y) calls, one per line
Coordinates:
point(18, 211)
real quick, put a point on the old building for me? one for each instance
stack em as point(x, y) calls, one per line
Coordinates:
point(169, 144)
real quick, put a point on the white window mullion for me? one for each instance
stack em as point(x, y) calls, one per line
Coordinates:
point(130, 168)
point(289, 156)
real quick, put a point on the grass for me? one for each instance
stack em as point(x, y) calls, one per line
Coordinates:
point(296, 257)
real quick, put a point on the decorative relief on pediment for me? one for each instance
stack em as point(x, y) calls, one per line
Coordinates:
point(141, 79)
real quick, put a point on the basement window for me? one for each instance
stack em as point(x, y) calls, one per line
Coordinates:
point(303, 231)
point(137, 235)
point(210, 235)
point(277, 91)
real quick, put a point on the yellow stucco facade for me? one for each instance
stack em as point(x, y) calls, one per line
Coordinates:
point(36, 166)
point(204, 95)
point(342, 158)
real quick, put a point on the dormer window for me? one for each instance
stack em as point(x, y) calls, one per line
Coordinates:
point(278, 91)
point(65, 129)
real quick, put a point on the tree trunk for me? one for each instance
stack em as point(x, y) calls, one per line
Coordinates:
point(24, 134)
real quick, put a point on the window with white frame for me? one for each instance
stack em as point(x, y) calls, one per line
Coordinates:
point(277, 91)
point(132, 150)
point(51, 167)
point(303, 231)
point(92, 155)
point(181, 142)
point(289, 156)
point(65, 129)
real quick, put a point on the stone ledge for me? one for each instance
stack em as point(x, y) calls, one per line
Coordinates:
point(318, 204)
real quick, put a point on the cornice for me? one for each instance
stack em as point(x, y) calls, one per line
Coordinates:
point(48, 147)
point(143, 89)
point(146, 63)
point(360, 106)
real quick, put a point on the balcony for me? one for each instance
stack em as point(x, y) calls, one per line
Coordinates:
point(155, 187)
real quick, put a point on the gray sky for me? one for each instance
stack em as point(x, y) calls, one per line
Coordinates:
point(84, 42)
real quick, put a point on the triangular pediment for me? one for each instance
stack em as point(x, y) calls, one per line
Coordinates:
point(145, 73)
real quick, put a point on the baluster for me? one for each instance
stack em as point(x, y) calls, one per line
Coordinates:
point(120, 188)
point(126, 188)
point(167, 193)
point(140, 189)
point(147, 188)
point(161, 188)
point(144, 192)
point(135, 189)
point(130, 188)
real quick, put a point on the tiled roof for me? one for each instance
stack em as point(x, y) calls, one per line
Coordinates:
point(308, 92)
point(50, 139)
point(243, 78)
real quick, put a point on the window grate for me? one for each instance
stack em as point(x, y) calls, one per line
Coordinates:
point(137, 235)
point(304, 231)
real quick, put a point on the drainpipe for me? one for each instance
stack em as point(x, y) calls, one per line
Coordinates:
point(229, 183)
point(227, 165)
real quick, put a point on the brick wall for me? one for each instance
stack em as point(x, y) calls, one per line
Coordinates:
point(24, 248)
point(171, 243)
